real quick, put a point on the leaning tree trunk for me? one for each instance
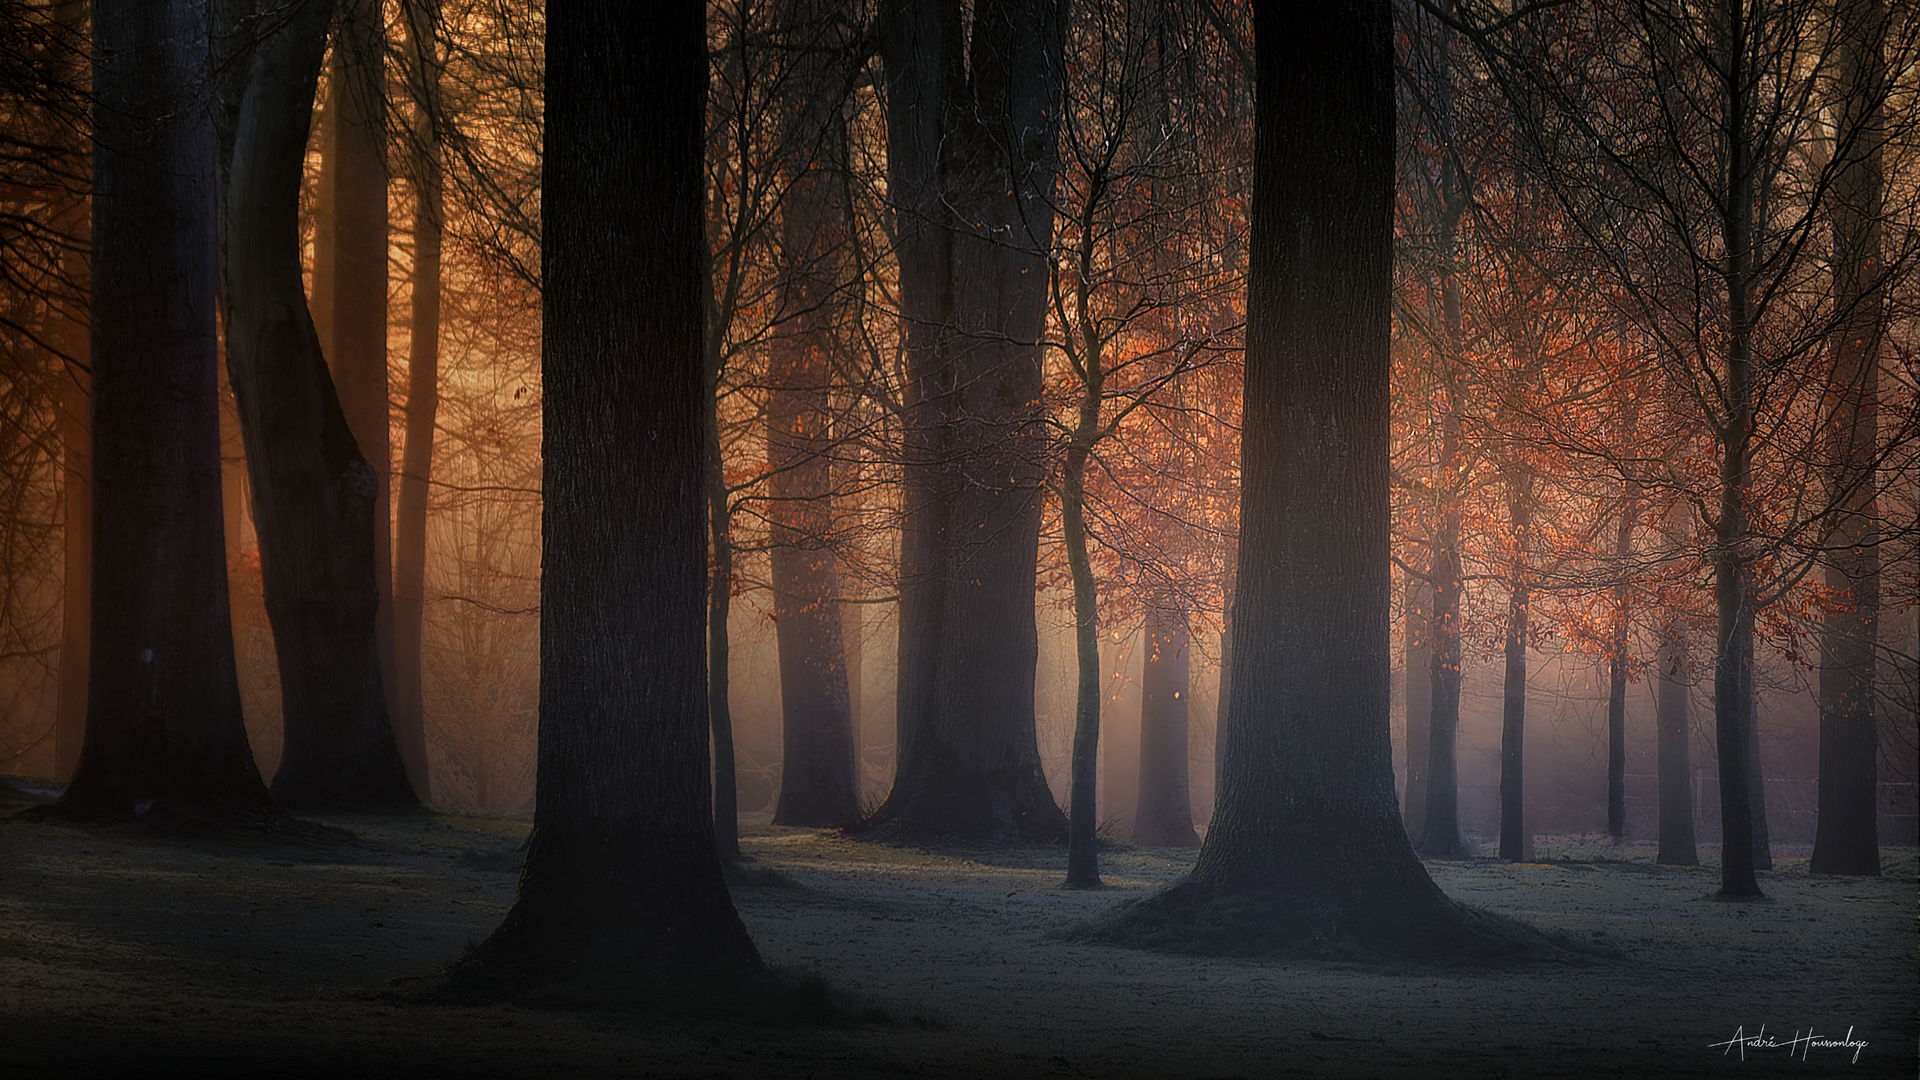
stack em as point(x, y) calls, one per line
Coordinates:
point(971, 160)
point(1847, 840)
point(423, 401)
point(1306, 850)
point(622, 890)
point(1676, 779)
point(313, 493)
point(1163, 817)
point(164, 727)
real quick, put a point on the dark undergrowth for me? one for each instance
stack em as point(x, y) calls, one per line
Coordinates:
point(776, 997)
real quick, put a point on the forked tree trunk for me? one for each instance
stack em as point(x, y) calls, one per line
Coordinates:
point(1847, 838)
point(423, 401)
point(971, 168)
point(313, 492)
point(164, 727)
point(1163, 817)
point(622, 890)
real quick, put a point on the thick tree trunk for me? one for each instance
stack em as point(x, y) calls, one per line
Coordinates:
point(313, 492)
point(1306, 850)
point(818, 785)
point(357, 352)
point(1163, 817)
point(1676, 778)
point(164, 727)
point(1516, 840)
point(1440, 833)
point(622, 890)
point(423, 402)
point(971, 159)
point(1847, 840)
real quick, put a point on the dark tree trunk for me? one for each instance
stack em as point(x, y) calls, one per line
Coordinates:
point(622, 889)
point(358, 349)
point(1419, 701)
point(726, 791)
point(313, 492)
point(423, 401)
point(1516, 841)
point(971, 160)
point(74, 408)
point(1846, 839)
point(1163, 817)
point(1083, 844)
point(163, 727)
point(817, 777)
point(1440, 833)
point(1617, 661)
point(1306, 849)
point(1676, 774)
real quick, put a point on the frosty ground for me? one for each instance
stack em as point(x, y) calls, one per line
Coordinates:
point(127, 951)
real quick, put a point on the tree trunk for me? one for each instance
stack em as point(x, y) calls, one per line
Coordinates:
point(313, 492)
point(163, 727)
point(358, 350)
point(1083, 822)
point(1440, 833)
point(1846, 839)
point(818, 781)
point(1163, 817)
point(971, 159)
point(1306, 849)
point(622, 890)
point(726, 791)
point(74, 415)
point(1516, 841)
point(1617, 660)
point(423, 401)
point(1676, 787)
point(1419, 701)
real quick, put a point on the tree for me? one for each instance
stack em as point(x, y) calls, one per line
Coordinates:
point(1163, 818)
point(971, 156)
point(1306, 849)
point(163, 714)
point(1846, 840)
point(314, 493)
point(423, 392)
point(622, 889)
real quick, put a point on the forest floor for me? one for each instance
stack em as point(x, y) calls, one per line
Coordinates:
point(126, 951)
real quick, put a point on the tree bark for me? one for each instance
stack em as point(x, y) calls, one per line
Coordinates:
point(972, 163)
point(423, 400)
point(818, 785)
point(74, 411)
point(313, 492)
point(1163, 817)
point(1846, 838)
point(622, 890)
point(1419, 701)
point(1617, 661)
point(1440, 833)
point(163, 728)
point(1516, 840)
point(1676, 775)
point(1306, 849)
point(358, 349)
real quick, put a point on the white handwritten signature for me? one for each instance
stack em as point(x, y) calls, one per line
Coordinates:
point(1799, 1044)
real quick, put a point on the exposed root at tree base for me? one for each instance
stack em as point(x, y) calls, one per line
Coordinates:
point(771, 997)
point(1199, 918)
